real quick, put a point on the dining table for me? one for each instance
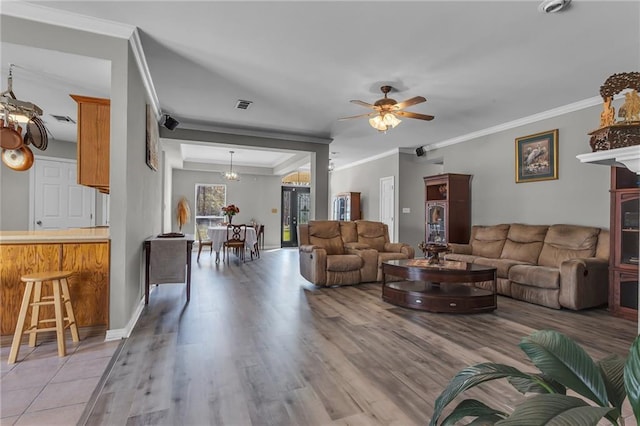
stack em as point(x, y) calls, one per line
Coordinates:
point(218, 235)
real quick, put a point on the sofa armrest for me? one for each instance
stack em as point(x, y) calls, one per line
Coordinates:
point(308, 248)
point(400, 248)
point(313, 264)
point(356, 246)
point(584, 283)
point(460, 248)
point(369, 269)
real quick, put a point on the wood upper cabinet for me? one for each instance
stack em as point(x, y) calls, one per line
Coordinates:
point(94, 115)
point(447, 208)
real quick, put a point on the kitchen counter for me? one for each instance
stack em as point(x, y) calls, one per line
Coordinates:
point(83, 251)
point(97, 234)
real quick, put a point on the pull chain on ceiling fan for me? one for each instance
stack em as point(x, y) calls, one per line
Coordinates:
point(387, 110)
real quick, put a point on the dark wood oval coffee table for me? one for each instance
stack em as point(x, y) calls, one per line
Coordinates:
point(446, 287)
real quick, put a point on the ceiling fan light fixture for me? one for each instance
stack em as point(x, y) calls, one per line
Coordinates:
point(377, 123)
point(231, 175)
point(391, 120)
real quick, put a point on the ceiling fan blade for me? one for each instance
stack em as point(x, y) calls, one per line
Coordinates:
point(414, 115)
point(413, 101)
point(364, 104)
point(359, 116)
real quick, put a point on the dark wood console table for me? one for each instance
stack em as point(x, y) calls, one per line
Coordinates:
point(439, 288)
point(165, 262)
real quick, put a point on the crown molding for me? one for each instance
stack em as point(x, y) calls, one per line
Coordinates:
point(368, 159)
point(46, 15)
point(576, 106)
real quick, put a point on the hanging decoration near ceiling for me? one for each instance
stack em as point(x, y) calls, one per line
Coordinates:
point(386, 111)
point(231, 175)
point(17, 116)
point(625, 131)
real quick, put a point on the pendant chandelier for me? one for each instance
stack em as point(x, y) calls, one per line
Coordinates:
point(231, 175)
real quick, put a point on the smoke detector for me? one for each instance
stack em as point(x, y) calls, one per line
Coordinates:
point(552, 6)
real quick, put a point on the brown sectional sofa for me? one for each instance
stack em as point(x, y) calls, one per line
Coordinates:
point(559, 266)
point(340, 253)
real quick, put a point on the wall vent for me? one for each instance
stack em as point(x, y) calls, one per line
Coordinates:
point(242, 104)
point(63, 118)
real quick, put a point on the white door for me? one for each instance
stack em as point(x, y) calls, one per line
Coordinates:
point(58, 201)
point(387, 210)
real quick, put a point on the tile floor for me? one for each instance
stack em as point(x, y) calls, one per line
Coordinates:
point(42, 388)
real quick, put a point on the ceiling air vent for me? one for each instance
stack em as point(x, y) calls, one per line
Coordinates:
point(63, 118)
point(243, 104)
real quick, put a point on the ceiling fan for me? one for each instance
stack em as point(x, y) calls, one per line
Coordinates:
point(387, 110)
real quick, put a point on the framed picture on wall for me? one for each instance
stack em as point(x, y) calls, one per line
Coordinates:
point(537, 157)
point(152, 140)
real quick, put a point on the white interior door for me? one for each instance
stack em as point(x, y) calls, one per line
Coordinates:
point(387, 210)
point(58, 201)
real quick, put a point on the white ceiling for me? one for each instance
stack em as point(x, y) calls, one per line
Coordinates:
point(479, 64)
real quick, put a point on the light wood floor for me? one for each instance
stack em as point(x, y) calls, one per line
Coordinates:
point(258, 345)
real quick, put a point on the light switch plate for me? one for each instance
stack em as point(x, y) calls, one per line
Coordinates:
point(406, 210)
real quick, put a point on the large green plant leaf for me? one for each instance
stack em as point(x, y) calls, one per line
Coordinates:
point(472, 408)
point(489, 420)
point(559, 357)
point(612, 370)
point(470, 377)
point(554, 409)
point(526, 385)
point(632, 377)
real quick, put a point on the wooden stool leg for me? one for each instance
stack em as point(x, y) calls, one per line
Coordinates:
point(57, 304)
point(35, 312)
point(17, 336)
point(70, 316)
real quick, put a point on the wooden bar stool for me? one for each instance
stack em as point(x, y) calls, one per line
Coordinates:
point(58, 280)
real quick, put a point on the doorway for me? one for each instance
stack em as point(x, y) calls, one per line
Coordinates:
point(387, 205)
point(58, 202)
point(296, 206)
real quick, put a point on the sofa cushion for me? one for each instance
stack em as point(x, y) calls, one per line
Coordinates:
point(326, 234)
point(564, 242)
point(487, 241)
point(535, 276)
point(343, 262)
point(524, 242)
point(468, 258)
point(348, 232)
point(502, 265)
point(372, 233)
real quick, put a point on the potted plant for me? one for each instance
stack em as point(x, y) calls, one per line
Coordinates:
point(563, 365)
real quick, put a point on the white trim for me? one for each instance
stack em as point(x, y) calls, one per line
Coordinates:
point(368, 159)
point(123, 333)
point(629, 156)
point(79, 22)
point(141, 61)
point(576, 106)
point(76, 21)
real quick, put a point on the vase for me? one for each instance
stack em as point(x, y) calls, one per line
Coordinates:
point(229, 219)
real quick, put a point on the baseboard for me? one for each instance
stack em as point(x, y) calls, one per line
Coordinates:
point(123, 333)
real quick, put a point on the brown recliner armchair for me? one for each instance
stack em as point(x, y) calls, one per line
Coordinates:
point(325, 259)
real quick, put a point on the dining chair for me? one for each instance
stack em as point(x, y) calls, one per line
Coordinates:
point(203, 242)
point(236, 237)
point(259, 236)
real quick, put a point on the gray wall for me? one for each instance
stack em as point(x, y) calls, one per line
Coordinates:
point(255, 195)
point(135, 189)
point(579, 196)
point(365, 178)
